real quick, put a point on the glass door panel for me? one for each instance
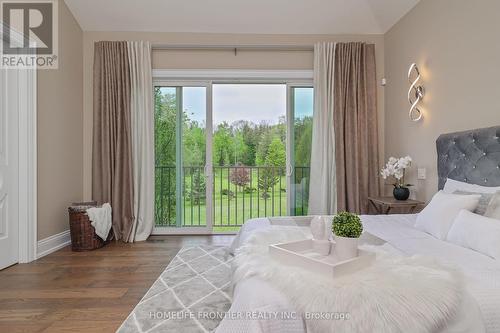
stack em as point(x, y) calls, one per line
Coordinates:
point(180, 156)
point(249, 154)
point(166, 101)
point(194, 156)
point(302, 102)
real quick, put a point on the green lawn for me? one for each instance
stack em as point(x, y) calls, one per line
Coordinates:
point(231, 211)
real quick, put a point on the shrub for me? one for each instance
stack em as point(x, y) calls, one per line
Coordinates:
point(240, 176)
point(249, 190)
point(227, 192)
point(347, 225)
point(265, 195)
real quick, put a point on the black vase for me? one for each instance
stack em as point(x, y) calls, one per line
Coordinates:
point(401, 193)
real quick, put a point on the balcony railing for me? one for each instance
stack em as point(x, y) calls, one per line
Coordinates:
point(239, 193)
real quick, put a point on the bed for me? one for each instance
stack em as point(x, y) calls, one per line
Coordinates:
point(472, 157)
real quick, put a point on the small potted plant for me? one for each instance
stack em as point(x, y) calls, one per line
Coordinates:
point(396, 167)
point(347, 229)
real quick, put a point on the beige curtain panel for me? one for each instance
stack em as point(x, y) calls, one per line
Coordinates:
point(322, 187)
point(356, 126)
point(112, 148)
point(142, 121)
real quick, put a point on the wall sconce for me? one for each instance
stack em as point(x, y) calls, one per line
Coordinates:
point(415, 93)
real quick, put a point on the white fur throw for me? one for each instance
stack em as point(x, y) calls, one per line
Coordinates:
point(394, 294)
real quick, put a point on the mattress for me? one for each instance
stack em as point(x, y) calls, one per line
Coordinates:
point(482, 273)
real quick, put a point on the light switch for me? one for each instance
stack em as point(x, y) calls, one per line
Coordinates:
point(421, 173)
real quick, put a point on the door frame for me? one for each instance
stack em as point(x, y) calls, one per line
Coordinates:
point(206, 78)
point(27, 163)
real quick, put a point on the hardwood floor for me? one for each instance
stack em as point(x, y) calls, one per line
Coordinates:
point(86, 291)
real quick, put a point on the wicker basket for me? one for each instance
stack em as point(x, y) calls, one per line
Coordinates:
point(83, 236)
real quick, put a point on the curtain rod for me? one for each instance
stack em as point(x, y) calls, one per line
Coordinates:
point(249, 47)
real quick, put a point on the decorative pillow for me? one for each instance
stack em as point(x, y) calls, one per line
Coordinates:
point(437, 217)
point(484, 200)
point(493, 209)
point(476, 232)
point(454, 185)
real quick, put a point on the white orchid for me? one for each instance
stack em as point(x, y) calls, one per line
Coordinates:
point(396, 167)
point(404, 162)
point(392, 160)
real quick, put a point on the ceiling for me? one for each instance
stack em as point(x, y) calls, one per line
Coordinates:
point(241, 16)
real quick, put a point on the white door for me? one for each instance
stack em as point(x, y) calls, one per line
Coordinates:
point(9, 159)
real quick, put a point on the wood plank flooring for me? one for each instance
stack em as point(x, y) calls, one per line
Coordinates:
point(86, 291)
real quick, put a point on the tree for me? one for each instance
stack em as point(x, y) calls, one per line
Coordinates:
point(193, 143)
point(268, 178)
point(222, 144)
point(251, 137)
point(303, 139)
point(263, 147)
point(197, 191)
point(165, 123)
point(239, 147)
point(276, 154)
point(240, 176)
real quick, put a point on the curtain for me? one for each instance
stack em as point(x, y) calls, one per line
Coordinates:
point(322, 184)
point(112, 177)
point(142, 125)
point(356, 130)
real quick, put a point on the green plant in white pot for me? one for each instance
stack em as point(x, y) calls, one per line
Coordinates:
point(347, 229)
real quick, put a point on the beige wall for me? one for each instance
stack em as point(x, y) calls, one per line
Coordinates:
point(214, 60)
point(455, 43)
point(60, 136)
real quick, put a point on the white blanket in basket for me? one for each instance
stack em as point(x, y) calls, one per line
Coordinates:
point(100, 219)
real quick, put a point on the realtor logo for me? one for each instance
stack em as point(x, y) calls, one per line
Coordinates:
point(29, 34)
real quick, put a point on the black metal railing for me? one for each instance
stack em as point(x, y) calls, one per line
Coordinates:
point(239, 193)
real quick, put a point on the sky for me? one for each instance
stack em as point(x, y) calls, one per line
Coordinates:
point(251, 102)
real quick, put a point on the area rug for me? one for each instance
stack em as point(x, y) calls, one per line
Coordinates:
point(191, 295)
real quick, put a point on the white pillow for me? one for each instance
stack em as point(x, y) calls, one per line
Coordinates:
point(454, 185)
point(437, 217)
point(476, 232)
point(484, 201)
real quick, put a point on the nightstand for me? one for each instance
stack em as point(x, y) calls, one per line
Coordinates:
point(384, 205)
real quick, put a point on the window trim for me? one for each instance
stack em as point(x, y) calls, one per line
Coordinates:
point(233, 76)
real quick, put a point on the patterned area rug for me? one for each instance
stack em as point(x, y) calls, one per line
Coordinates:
point(191, 295)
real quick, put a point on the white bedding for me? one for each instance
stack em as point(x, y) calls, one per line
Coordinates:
point(482, 277)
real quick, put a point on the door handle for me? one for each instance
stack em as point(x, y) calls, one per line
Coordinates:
point(206, 170)
point(289, 170)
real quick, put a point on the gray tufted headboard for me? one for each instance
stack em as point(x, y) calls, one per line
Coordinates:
point(470, 156)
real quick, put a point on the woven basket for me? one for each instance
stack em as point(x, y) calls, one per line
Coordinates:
point(83, 236)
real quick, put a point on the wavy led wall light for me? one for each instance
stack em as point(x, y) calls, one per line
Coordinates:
point(415, 93)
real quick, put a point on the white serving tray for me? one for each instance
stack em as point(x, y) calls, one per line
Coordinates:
point(301, 254)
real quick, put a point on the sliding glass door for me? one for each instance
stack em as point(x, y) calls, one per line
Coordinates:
point(228, 152)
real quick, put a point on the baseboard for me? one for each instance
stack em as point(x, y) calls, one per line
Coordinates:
point(52, 244)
